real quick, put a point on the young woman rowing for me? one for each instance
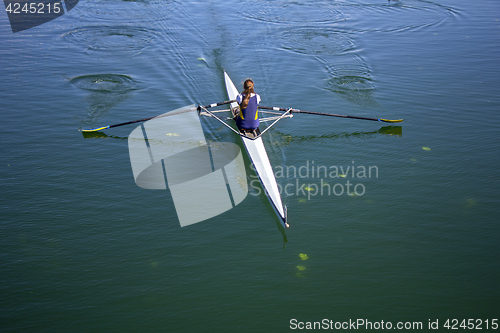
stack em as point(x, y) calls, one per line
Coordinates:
point(248, 119)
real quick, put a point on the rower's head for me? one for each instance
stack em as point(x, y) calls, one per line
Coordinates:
point(248, 85)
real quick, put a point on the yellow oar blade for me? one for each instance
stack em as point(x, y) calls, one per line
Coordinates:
point(95, 129)
point(391, 121)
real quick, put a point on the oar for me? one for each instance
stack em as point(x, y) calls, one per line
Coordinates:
point(329, 114)
point(149, 118)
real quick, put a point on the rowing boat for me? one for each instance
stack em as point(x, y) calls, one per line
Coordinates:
point(258, 155)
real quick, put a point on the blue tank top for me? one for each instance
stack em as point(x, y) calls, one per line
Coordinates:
point(249, 118)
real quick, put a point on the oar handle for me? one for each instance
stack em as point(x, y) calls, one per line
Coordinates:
point(218, 104)
point(329, 114)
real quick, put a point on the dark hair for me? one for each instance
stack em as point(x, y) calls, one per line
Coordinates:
point(248, 86)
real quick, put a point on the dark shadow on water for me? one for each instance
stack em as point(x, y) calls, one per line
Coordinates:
point(283, 233)
point(385, 130)
point(101, 135)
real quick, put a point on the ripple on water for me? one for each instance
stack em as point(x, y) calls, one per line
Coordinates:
point(105, 91)
point(351, 79)
point(111, 38)
point(141, 12)
point(286, 12)
point(111, 83)
point(310, 40)
point(352, 16)
point(349, 83)
point(393, 16)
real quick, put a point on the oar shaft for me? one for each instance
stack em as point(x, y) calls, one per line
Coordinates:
point(329, 114)
point(131, 122)
point(149, 118)
point(336, 115)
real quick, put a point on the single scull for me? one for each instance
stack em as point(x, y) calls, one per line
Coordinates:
point(258, 155)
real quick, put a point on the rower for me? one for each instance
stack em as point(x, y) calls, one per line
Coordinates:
point(248, 118)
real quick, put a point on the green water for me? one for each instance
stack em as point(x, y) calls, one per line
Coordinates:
point(84, 249)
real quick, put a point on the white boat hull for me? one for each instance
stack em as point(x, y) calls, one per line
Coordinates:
point(258, 155)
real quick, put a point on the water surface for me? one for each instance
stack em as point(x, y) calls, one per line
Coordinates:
point(85, 249)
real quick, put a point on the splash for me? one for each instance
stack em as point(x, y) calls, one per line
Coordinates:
point(105, 91)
